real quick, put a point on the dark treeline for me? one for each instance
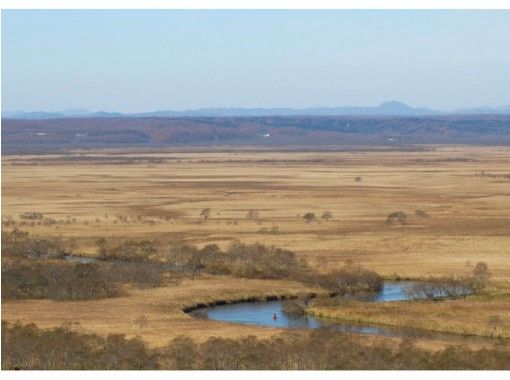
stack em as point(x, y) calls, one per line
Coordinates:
point(239, 260)
point(27, 347)
point(76, 281)
point(263, 262)
point(256, 261)
point(31, 268)
point(342, 130)
point(435, 288)
point(58, 281)
point(19, 244)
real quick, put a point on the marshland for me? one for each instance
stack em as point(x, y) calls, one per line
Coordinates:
point(115, 256)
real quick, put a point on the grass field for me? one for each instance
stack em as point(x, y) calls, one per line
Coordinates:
point(464, 192)
point(469, 316)
point(161, 306)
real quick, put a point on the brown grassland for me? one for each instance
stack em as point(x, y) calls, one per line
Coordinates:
point(463, 193)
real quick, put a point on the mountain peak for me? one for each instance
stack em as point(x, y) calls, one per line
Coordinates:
point(394, 104)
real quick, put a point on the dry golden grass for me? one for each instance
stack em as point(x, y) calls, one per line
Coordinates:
point(469, 219)
point(161, 306)
point(469, 216)
point(469, 316)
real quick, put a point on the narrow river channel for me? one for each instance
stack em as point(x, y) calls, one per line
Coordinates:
point(261, 313)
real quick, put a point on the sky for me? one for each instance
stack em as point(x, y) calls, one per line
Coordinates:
point(135, 61)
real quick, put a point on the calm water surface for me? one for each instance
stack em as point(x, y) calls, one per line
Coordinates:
point(261, 313)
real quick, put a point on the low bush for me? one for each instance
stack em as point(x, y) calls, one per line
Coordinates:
point(421, 213)
point(58, 281)
point(139, 274)
point(27, 347)
point(61, 280)
point(240, 260)
point(31, 215)
point(451, 287)
point(350, 279)
point(397, 216)
point(129, 250)
point(146, 263)
point(295, 307)
point(440, 287)
point(18, 243)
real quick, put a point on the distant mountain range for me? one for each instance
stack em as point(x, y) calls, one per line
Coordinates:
point(391, 108)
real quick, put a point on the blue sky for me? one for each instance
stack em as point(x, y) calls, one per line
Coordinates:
point(131, 61)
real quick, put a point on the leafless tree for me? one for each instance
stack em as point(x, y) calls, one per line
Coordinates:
point(252, 215)
point(142, 322)
point(309, 217)
point(205, 213)
point(481, 275)
point(327, 215)
point(494, 324)
point(397, 216)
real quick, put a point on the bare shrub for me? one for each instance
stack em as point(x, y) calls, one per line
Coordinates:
point(62, 280)
point(48, 222)
point(8, 221)
point(205, 213)
point(298, 306)
point(21, 244)
point(435, 288)
point(294, 307)
point(260, 261)
point(128, 250)
point(102, 250)
point(142, 322)
point(421, 214)
point(184, 257)
point(309, 217)
point(144, 274)
point(327, 215)
point(180, 354)
point(274, 230)
point(31, 215)
point(350, 279)
point(397, 216)
point(58, 281)
point(252, 215)
point(241, 260)
point(480, 276)
point(27, 347)
point(495, 324)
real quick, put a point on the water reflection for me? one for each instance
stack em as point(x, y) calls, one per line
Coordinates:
point(261, 313)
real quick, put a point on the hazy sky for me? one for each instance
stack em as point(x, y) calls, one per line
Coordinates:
point(132, 61)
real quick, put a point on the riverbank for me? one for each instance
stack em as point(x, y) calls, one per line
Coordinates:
point(165, 319)
point(156, 315)
point(485, 316)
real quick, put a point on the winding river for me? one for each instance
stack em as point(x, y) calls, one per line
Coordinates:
point(261, 313)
